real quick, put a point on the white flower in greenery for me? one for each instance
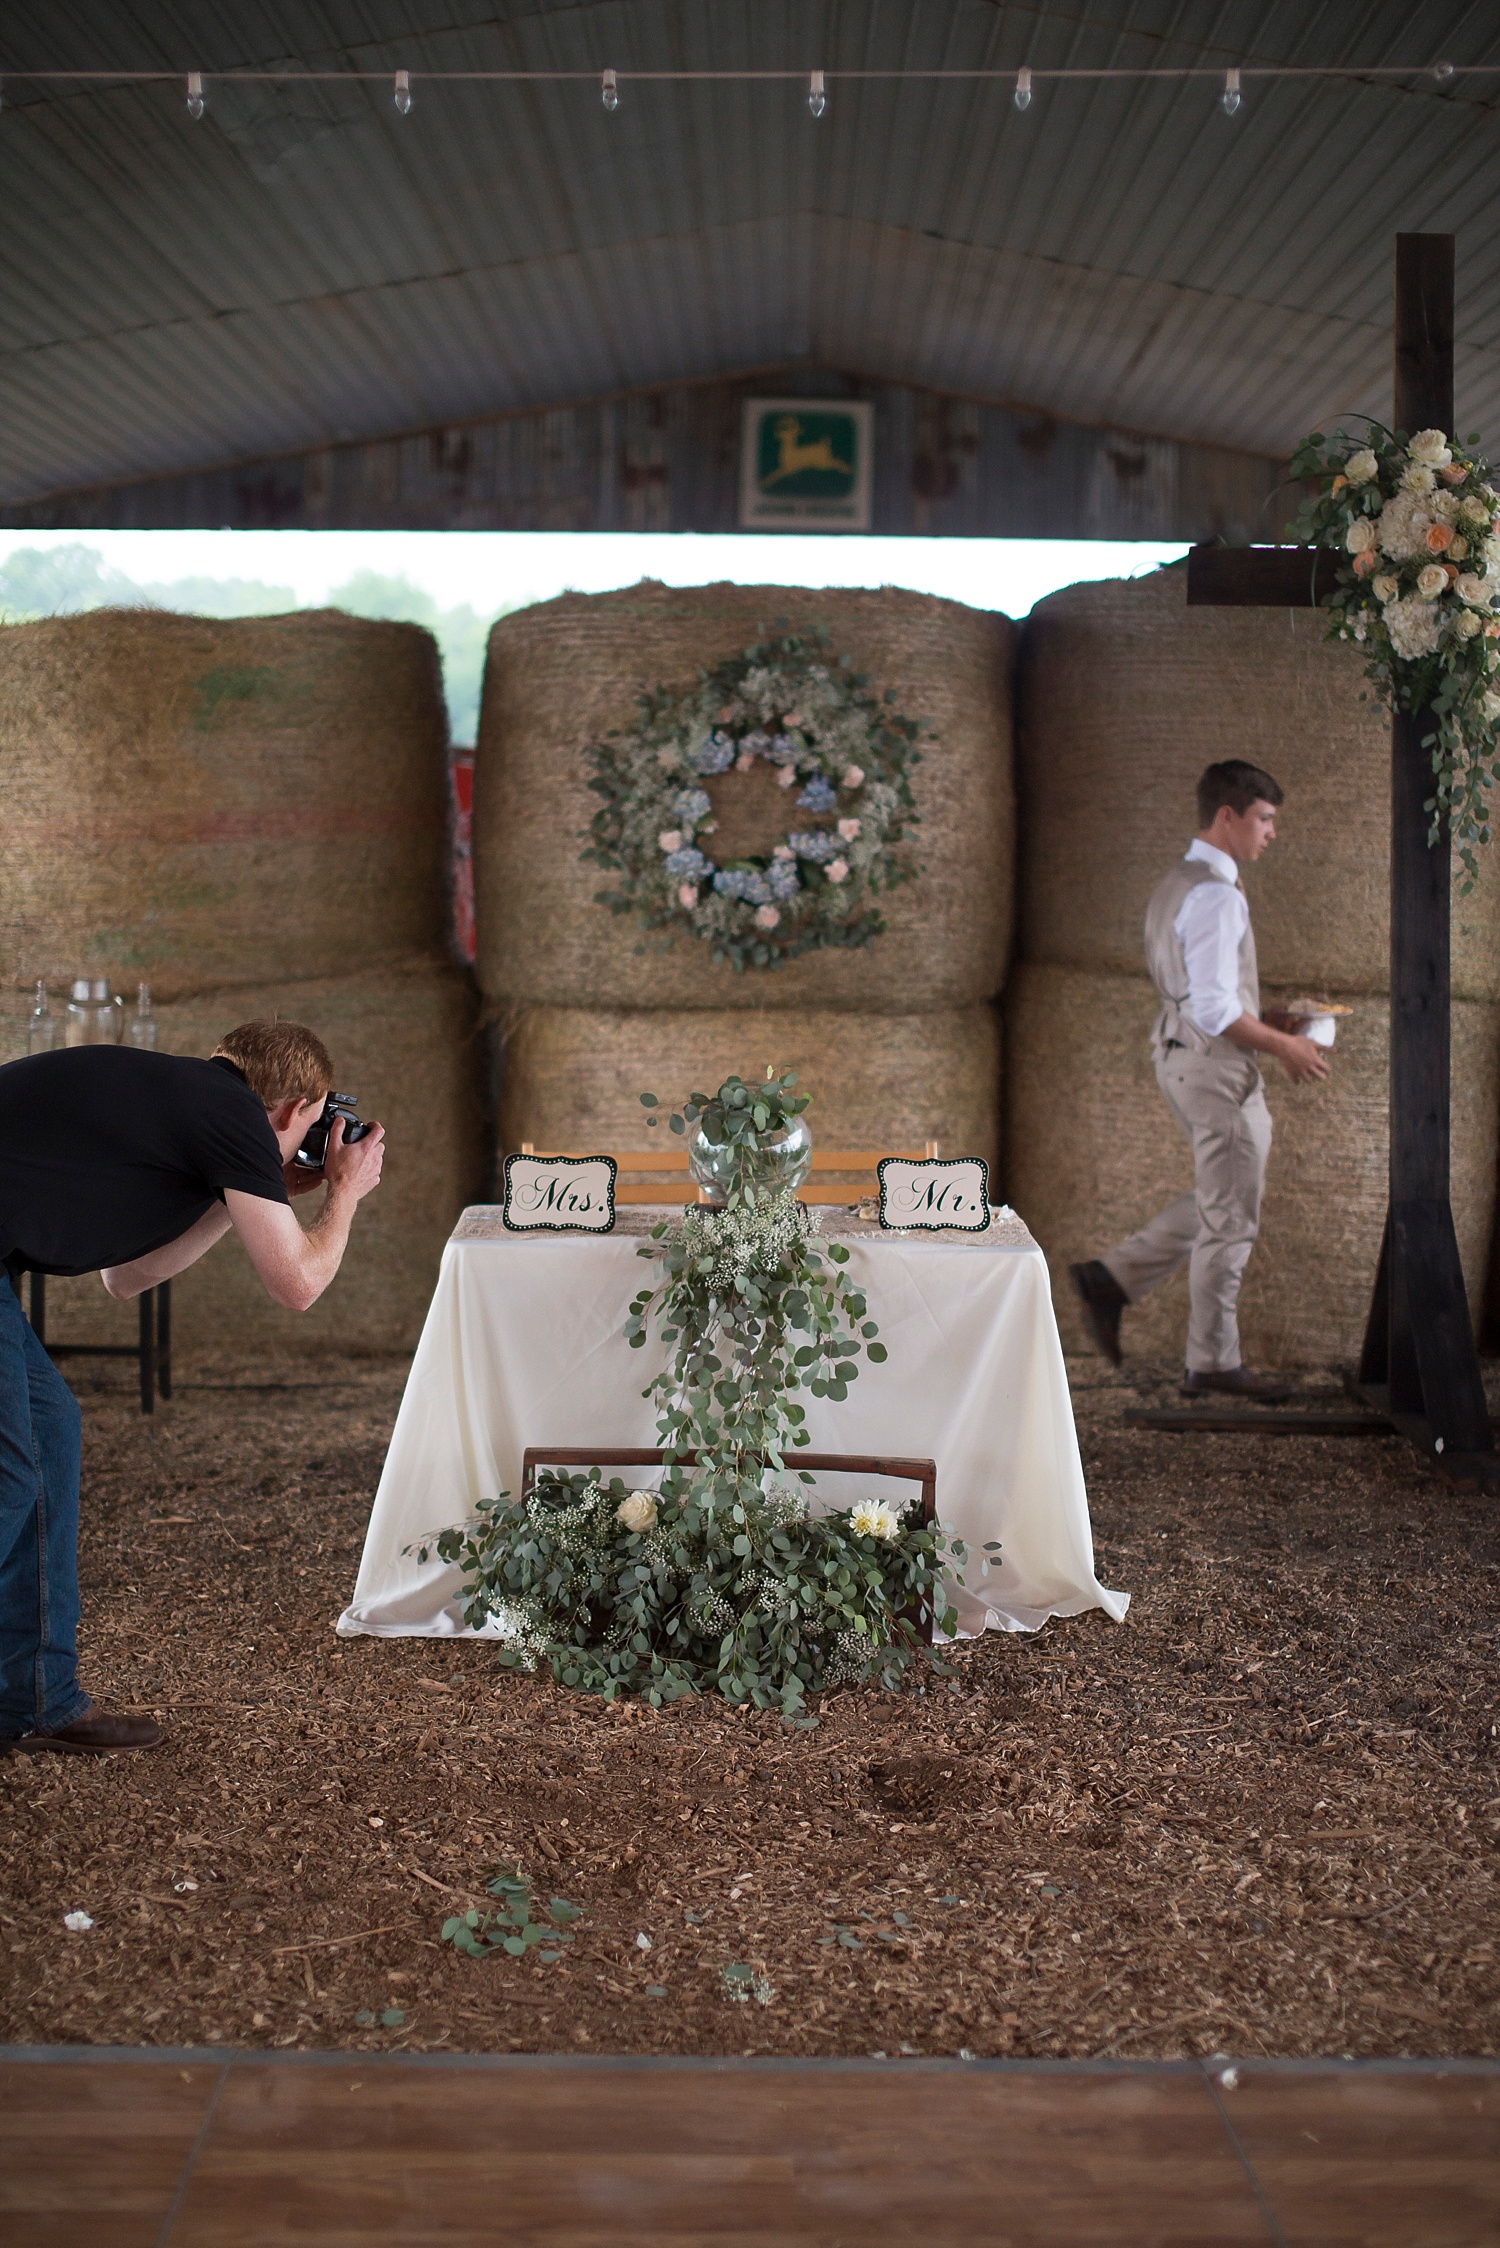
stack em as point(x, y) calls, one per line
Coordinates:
point(854, 776)
point(1444, 506)
point(849, 830)
point(1458, 547)
point(1417, 478)
point(77, 1922)
point(638, 1512)
point(1432, 581)
point(1403, 527)
point(1414, 627)
point(1490, 701)
point(1361, 535)
point(1360, 467)
point(1473, 588)
point(670, 839)
point(1474, 511)
point(872, 1518)
point(766, 917)
point(837, 870)
point(1385, 588)
point(1467, 623)
point(1430, 447)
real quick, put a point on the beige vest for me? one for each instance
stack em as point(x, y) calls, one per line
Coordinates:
point(1168, 969)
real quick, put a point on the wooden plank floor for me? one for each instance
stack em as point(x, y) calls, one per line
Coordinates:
point(151, 2150)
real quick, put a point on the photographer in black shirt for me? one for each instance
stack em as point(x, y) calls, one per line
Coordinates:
point(132, 1165)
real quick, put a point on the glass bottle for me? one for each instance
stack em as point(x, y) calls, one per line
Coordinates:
point(41, 1031)
point(78, 1019)
point(143, 1022)
point(108, 1025)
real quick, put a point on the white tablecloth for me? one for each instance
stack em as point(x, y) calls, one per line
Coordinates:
point(523, 1346)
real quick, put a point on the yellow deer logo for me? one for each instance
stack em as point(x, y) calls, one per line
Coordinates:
point(795, 456)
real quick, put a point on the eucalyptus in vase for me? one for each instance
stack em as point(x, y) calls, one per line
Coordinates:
point(749, 1142)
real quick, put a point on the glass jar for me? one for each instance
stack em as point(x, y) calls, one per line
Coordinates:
point(782, 1162)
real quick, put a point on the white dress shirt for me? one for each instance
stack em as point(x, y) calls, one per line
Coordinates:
point(1210, 924)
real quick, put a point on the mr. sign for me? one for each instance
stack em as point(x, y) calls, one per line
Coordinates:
point(560, 1193)
point(932, 1197)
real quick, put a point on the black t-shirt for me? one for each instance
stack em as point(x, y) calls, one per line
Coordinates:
point(107, 1153)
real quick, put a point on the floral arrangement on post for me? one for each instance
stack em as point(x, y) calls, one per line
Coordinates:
point(842, 750)
point(1415, 523)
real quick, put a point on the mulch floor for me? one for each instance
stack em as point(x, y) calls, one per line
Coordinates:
point(1261, 1817)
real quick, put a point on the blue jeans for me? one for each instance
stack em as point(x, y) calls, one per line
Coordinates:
point(40, 1444)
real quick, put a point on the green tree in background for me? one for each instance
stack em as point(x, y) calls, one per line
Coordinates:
point(63, 580)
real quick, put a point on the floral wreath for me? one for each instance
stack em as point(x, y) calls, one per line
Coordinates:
point(1415, 523)
point(843, 748)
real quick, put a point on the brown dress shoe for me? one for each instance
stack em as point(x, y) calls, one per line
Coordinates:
point(96, 1733)
point(1103, 1300)
point(1238, 1381)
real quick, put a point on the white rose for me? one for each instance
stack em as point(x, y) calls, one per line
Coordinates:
point(1467, 623)
point(1473, 588)
point(1432, 581)
point(766, 917)
point(1417, 478)
point(1458, 547)
point(1386, 588)
point(1430, 447)
point(1445, 507)
point(1414, 627)
point(1361, 535)
point(849, 830)
point(854, 776)
point(638, 1512)
point(1492, 555)
point(670, 839)
point(1361, 466)
point(874, 1519)
point(1474, 511)
point(837, 870)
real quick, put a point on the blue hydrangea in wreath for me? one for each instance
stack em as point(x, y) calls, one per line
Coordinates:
point(841, 750)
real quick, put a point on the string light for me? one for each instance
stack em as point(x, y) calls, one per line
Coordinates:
point(610, 93)
point(1229, 100)
point(1444, 73)
point(817, 99)
point(402, 96)
point(195, 94)
point(1022, 96)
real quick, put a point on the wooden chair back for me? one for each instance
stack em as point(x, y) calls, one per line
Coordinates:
point(840, 1176)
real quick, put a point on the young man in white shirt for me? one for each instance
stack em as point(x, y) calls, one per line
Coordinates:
point(1200, 951)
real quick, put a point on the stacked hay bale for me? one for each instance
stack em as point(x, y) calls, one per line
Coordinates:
point(249, 816)
point(898, 1042)
point(1124, 696)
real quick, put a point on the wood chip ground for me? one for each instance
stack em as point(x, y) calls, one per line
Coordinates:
point(1261, 1817)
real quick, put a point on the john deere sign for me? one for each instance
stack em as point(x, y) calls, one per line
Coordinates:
point(805, 465)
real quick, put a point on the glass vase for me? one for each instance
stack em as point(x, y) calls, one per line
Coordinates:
point(782, 1162)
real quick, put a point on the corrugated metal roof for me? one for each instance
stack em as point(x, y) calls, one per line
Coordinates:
point(304, 266)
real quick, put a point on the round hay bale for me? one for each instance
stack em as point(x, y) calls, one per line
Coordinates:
point(201, 803)
point(402, 1039)
point(574, 1076)
point(1124, 695)
point(1091, 1152)
point(566, 671)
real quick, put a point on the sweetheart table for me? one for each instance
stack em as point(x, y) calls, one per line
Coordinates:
point(523, 1345)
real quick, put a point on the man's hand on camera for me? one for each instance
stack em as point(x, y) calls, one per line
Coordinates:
point(356, 1169)
point(1303, 1062)
point(299, 1179)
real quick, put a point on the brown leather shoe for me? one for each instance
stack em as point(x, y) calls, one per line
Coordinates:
point(1238, 1381)
point(1103, 1300)
point(97, 1733)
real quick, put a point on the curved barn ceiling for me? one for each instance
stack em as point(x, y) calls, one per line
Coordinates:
point(304, 267)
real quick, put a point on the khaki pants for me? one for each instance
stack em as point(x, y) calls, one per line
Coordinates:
point(1218, 1100)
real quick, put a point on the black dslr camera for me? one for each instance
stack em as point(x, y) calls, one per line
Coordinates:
point(311, 1155)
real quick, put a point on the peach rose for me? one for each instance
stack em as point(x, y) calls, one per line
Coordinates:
point(1365, 563)
point(1439, 537)
point(1454, 473)
point(837, 870)
point(766, 917)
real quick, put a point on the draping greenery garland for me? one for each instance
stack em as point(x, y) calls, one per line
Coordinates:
point(1415, 524)
point(841, 750)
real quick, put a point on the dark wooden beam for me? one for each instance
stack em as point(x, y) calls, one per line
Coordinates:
point(1258, 577)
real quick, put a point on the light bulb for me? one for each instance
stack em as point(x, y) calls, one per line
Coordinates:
point(402, 95)
point(1444, 73)
point(817, 99)
point(1023, 87)
point(1229, 100)
point(195, 94)
point(610, 92)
